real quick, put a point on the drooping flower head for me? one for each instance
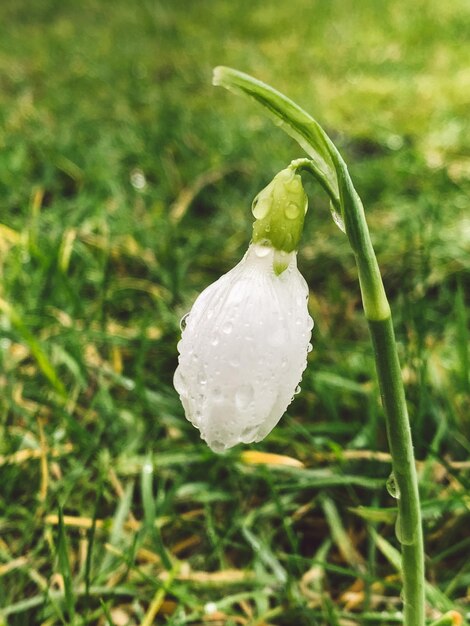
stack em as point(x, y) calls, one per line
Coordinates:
point(245, 341)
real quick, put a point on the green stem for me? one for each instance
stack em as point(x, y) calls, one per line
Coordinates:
point(330, 170)
point(409, 529)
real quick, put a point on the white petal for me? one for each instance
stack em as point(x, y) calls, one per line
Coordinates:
point(243, 350)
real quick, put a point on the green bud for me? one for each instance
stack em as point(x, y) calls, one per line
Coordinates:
point(280, 210)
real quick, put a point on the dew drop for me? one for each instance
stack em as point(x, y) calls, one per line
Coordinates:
point(309, 347)
point(217, 394)
point(129, 384)
point(406, 539)
point(310, 323)
point(297, 390)
point(227, 328)
point(260, 208)
point(295, 184)
point(210, 607)
point(216, 445)
point(392, 486)
point(201, 378)
point(180, 383)
point(292, 211)
point(137, 179)
point(249, 433)
point(184, 321)
point(243, 396)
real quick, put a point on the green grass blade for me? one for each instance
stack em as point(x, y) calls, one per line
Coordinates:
point(462, 339)
point(117, 528)
point(64, 569)
point(35, 347)
point(150, 513)
point(265, 555)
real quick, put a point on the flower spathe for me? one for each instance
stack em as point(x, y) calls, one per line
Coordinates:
point(243, 349)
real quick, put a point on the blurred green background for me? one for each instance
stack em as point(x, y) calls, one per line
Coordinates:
point(125, 188)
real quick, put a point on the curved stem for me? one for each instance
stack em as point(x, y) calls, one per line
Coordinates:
point(330, 170)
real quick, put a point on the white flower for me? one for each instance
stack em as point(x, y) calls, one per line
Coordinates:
point(243, 349)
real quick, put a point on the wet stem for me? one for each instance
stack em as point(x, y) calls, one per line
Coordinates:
point(379, 318)
point(377, 311)
point(409, 528)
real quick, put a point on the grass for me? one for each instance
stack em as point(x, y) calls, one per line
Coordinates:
point(126, 181)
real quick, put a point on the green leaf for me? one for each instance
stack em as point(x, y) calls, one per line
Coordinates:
point(64, 568)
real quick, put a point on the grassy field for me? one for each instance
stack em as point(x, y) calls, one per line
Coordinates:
point(125, 188)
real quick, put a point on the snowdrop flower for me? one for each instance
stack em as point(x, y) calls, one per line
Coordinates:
point(245, 341)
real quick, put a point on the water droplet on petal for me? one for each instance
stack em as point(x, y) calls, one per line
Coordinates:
point(184, 321)
point(297, 390)
point(227, 328)
point(243, 396)
point(295, 185)
point(201, 378)
point(217, 394)
point(309, 347)
point(392, 486)
point(260, 208)
point(249, 433)
point(292, 211)
point(217, 446)
point(180, 383)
